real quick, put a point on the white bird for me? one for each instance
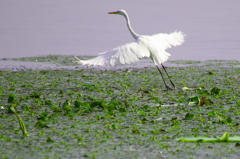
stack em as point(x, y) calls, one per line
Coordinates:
point(144, 46)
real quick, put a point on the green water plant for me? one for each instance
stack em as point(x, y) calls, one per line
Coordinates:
point(224, 138)
point(120, 112)
point(11, 101)
point(21, 123)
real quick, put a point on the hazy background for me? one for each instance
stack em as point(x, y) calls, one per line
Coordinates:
point(83, 27)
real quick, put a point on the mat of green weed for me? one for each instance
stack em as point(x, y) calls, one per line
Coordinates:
point(120, 113)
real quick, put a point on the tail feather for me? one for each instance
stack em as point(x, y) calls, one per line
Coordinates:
point(79, 60)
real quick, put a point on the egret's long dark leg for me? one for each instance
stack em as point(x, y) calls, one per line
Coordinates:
point(168, 76)
point(162, 77)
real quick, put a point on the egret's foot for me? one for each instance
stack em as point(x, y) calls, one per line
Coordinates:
point(168, 88)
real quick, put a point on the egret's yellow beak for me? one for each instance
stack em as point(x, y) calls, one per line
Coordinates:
point(113, 12)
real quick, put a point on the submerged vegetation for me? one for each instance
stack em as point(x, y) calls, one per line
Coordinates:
point(119, 113)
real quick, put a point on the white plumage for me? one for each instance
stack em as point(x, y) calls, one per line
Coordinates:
point(144, 46)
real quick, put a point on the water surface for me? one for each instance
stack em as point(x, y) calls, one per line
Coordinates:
point(39, 28)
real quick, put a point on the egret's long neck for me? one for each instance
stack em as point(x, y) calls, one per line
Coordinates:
point(135, 35)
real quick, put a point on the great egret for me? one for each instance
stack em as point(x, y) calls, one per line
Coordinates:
point(144, 46)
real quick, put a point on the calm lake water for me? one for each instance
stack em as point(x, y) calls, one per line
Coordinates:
point(83, 27)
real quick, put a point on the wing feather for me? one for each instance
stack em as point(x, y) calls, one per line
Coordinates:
point(145, 46)
point(166, 41)
point(158, 43)
point(125, 54)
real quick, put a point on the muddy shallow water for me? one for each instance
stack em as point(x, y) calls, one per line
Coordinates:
point(58, 62)
point(118, 114)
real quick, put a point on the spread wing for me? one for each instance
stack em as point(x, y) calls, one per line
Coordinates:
point(145, 46)
point(125, 54)
point(166, 41)
point(158, 43)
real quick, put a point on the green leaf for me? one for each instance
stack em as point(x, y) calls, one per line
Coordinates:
point(122, 110)
point(49, 140)
point(67, 105)
point(215, 91)
point(229, 120)
point(77, 104)
point(85, 107)
point(11, 98)
point(97, 104)
point(202, 92)
point(211, 73)
point(141, 113)
point(181, 100)
point(48, 102)
point(114, 126)
point(225, 137)
point(194, 100)
point(135, 130)
point(41, 124)
point(35, 95)
point(189, 116)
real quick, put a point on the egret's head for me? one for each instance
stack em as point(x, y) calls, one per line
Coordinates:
point(120, 12)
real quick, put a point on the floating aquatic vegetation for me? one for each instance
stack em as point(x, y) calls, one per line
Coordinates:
point(119, 113)
point(224, 138)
